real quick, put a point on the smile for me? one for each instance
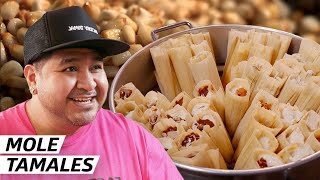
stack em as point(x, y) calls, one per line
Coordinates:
point(82, 99)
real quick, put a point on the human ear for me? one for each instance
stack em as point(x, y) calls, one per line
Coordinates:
point(31, 77)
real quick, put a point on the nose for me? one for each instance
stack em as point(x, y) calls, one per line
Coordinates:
point(86, 81)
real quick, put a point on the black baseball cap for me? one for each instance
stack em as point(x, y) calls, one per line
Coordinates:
point(69, 27)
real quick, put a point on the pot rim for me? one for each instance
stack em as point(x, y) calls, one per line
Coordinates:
point(202, 170)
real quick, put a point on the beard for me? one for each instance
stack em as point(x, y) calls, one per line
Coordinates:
point(68, 115)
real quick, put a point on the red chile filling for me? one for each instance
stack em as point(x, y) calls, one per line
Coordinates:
point(241, 92)
point(125, 93)
point(189, 139)
point(203, 122)
point(170, 129)
point(265, 105)
point(318, 138)
point(180, 102)
point(203, 91)
point(262, 163)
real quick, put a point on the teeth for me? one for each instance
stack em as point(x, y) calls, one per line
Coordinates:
point(82, 99)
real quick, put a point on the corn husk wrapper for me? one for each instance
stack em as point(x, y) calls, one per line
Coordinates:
point(153, 115)
point(292, 89)
point(218, 101)
point(220, 137)
point(287, 67)
point(309, 123)
point(131, 110)
point(167, 127)
point(200, 37)
point(309, 97)
point(205, 88)
point(289, 115)
point(207, 37)
point(314, 66)
point(259, 139)
point(180, 115)
point(235, 36)
point(309, 49)
point(315, 79)
point(262, 100)
point(290, 136)
point(257, 36)
point(197, 38)
point(166, 44)
point(179, 57)
point(198, 48)
point(168, 145)
point(261, 119)
point(165, 73)
point(240, 53)
point(314, 140)
point(254, 69)
point(261, 158)
point(200, 104)
point(261, 51)
point(128, 92)
point(206, 118)
point(181, 99)
point(273, 40)
point(296, 56)
point(203, 67)
point(157, 99)
point(194, 137)
point(184, 39)
point(271, 83)
point(216, 159)
point(236, 103)
point(194, 156)
point(285, 43)
point(238, 70)
point(295, 152)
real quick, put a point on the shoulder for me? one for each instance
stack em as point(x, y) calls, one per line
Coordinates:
point(127, 129)
point(150, 152)
point(12, 113)
point(116, 120)
point(121, 125)
point(8, 111)
point(14, 120)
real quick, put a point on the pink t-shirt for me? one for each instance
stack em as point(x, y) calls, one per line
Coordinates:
point(126, 150)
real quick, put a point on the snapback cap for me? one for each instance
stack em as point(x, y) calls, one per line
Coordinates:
point(69, 27)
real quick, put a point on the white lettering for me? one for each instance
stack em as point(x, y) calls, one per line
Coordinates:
point(81, 28)
point(91, 29)
point(75, 28)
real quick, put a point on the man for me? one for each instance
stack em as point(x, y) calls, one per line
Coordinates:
point(64, 71)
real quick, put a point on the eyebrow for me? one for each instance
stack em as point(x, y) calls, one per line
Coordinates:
point(66, 60)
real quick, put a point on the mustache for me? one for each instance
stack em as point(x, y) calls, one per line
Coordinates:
point(79, 92)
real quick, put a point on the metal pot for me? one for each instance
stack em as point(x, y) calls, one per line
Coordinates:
point(139, 70)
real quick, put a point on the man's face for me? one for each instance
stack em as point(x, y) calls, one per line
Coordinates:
point(72, 85)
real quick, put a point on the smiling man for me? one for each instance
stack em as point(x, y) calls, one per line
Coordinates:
point(64, 70)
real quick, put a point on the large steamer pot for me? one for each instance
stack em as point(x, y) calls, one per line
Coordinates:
point(139, 70)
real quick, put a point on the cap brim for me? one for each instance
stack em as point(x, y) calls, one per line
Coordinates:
point(106, 47)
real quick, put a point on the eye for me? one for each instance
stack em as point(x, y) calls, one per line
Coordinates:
point(97, 68)
point(71, 69)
